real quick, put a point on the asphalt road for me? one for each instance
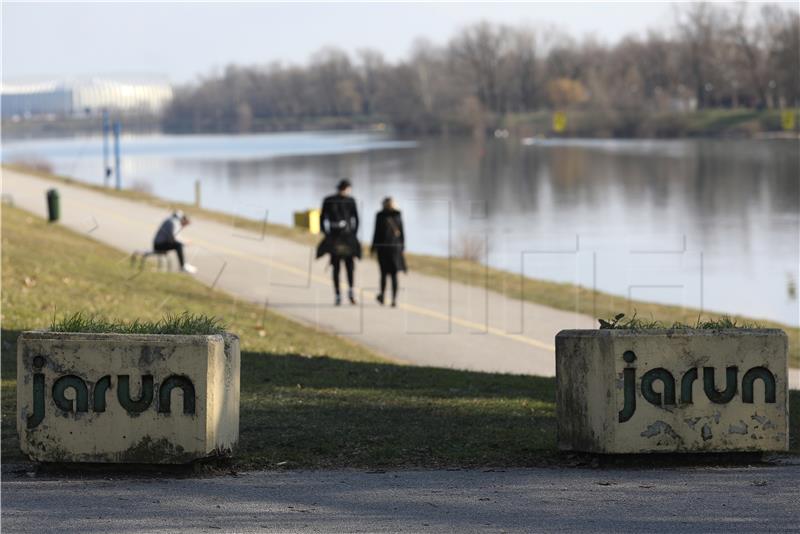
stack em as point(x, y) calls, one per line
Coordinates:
point(745, 499)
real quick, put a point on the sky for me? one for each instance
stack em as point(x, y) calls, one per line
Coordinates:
point(179, 42)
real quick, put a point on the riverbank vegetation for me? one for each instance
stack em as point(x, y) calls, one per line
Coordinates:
point(716, 69)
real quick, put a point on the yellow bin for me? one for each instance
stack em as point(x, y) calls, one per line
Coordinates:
point(307, 220)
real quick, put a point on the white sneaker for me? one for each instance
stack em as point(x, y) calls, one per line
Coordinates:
point(189, 268)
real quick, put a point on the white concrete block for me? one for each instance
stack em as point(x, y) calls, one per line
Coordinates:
point(640, 391)
point(127, 398)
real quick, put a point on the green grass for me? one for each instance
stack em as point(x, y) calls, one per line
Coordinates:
point(557, 295)
point(171, 324)
point(646, 123)
point(308, 398)
point(621, 322)
point(717, 121)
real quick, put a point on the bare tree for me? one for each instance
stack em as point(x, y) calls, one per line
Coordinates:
point(477, 53)
point(523, 76)
point(751, 57)
point(699, 27)
point(370, 69)
point(782, 30)
point(333, 81)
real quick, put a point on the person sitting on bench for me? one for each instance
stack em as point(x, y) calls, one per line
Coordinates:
point(167, 238)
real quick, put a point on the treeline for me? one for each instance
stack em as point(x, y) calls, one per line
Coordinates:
point(711, 56)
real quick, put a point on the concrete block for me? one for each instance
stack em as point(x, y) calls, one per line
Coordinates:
point(125, 398)
point(643, 391)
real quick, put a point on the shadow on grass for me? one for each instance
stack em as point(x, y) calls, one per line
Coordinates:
point(323, 412)
point(260, 370)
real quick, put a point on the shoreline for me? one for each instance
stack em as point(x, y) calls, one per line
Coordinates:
point(713, 123)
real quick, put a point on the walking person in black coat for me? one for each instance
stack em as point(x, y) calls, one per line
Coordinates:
point(388, 242)
point(339, 222)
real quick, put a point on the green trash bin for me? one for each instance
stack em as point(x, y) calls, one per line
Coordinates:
point(53, 206)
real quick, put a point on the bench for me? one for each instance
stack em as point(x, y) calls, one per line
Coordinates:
point(163, 261)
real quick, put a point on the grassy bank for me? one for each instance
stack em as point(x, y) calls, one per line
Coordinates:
point(309, 398)
point(556, 295)
point(633, 123)
point(589, 122)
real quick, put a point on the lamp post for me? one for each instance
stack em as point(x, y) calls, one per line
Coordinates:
point(117, 175)
point(106, 168)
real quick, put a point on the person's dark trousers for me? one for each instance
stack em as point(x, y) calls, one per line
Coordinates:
point(166, 247)
point(393, 275)
point(349, 265)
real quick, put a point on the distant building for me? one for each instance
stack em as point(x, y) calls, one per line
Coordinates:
point(84, 97)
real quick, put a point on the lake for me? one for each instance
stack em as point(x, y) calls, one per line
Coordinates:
point(700, 223)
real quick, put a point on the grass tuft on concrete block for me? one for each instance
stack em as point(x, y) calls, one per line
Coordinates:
point(184, 323)
point(619, 322)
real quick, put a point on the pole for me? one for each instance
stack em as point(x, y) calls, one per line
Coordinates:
point(117, 175)
point(106, 128)
point(197, 193)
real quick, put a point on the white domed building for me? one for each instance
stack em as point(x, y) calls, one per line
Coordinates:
point(83, 97)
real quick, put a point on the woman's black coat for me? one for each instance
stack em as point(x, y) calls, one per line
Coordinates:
point(388, 241)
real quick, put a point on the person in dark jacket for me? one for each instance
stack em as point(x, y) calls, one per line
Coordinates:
point(388, 242)
point(166, 238)
point(339, 222)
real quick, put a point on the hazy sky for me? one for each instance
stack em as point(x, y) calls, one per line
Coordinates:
point(182, 41)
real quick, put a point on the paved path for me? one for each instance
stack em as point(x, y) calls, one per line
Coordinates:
point(764, 499)
point(438, 323)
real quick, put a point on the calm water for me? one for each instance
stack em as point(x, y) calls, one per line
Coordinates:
point(712, 224)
